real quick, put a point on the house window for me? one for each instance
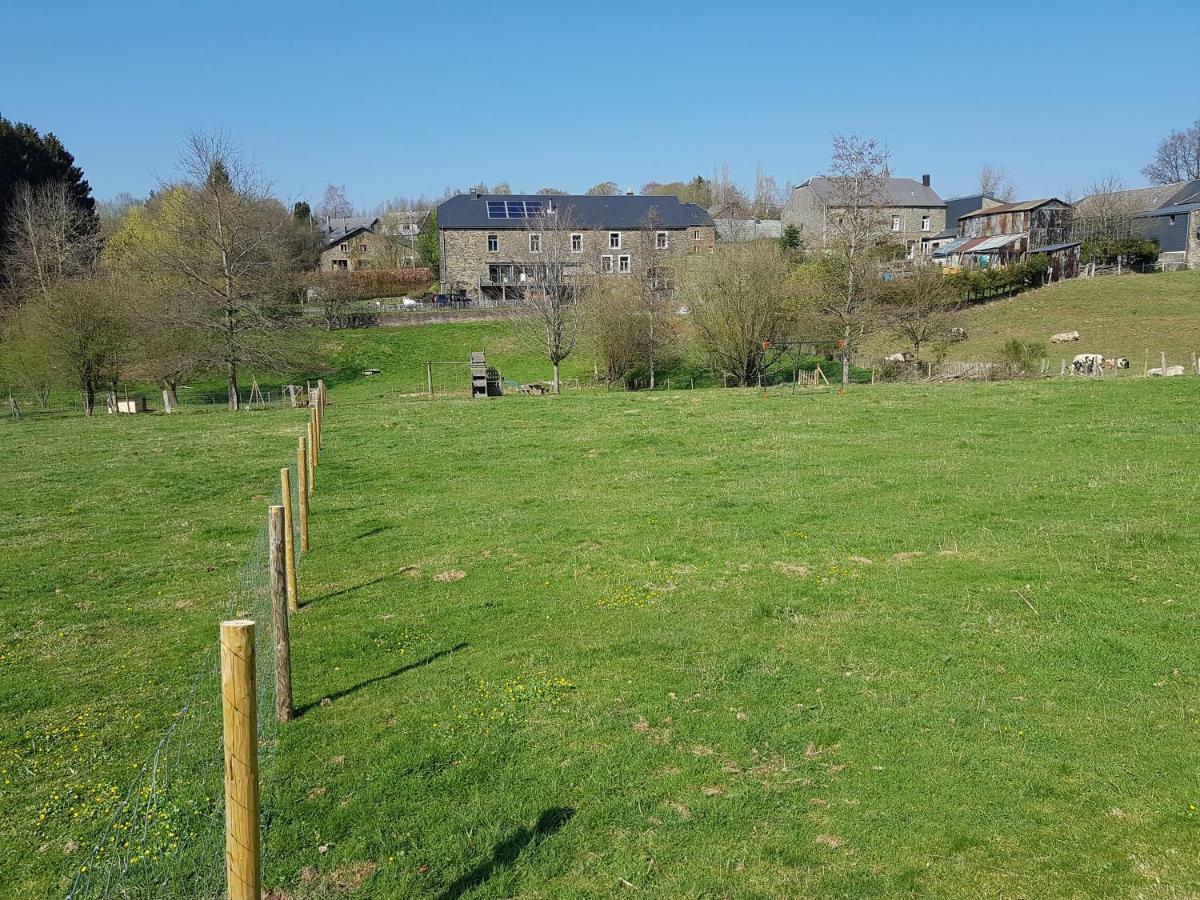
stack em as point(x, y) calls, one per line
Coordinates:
point(1170, 220)
point(614, 240)
point(340, 264)
point(493, 243)
point(660, 240)
point(695, 234)
point(360, 264)
point(924, 223)
point(535, 243)
point(577, 243)
point(895, 223)
point(623, 263)
point(344, 247)
point(606, 263)
point(362, 248)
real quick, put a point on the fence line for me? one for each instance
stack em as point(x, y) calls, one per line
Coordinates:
point(165, 835)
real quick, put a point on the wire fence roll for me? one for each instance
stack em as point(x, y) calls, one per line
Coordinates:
point(165, 836)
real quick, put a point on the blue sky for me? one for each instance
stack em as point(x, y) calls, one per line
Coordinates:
point(401, 99)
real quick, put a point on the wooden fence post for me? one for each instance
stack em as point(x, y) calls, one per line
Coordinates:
point(429, 377)
point(302, 491)
point(239, 713)
point(312, 453)
point(279, 615)
point(1162, 362)
point(289, 538)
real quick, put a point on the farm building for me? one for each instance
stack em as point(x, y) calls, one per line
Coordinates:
point(1176, 226)
point(956, 207)
point(1011, 232)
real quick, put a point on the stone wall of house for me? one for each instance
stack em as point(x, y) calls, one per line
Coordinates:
point(465, 256)
point(806, 212)
point(1193, 255)
point(360, 250)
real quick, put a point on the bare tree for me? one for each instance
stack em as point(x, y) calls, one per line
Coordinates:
point(767, 200)
point(552, 297)
point(994, 181)
point(218, 245)
point(653, 288)
point(1106, 213)
point(920, 306)
point(742, 303)
point(50, 237)
point(334, 204)
point(851, 276)
point(1177, 157)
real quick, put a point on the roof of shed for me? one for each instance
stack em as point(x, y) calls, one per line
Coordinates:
point(1051, 248)
point(1023, 206)
point(619, 212)
point(897, 192)
point(1179, 210)
point(1137, 199)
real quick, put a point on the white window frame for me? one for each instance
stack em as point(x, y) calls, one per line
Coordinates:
point(624, 264)
point(695, 234)
point(606, 264)
point(611, 245)
point(535, 237)
point(493, 243)
point(345, 248)
point(897, 222)
point(926, 223)
point(661, 240)
point(577, 243)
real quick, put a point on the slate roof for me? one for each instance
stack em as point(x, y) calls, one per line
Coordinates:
point(956, 207)
point(621, 212)
point(748, 229)
point(1137, 200)
point(1188, 193)
point(1177, 210)
point(898, 192)
point(334, 231)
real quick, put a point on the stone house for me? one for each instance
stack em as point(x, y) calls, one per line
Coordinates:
point(912, 210)
point(489, 243)
point(348, 243)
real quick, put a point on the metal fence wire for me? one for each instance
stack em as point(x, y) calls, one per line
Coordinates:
point(165, 836)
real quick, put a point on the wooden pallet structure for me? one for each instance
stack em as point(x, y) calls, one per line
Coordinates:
point(479, 377)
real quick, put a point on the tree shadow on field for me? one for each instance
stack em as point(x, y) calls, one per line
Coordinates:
point(338, 695)
point(505, 853)
point(351, 589)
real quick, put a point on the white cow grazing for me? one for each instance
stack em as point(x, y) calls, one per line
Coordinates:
point(1065, 337)
point(1168, 372)
point(1087, 364)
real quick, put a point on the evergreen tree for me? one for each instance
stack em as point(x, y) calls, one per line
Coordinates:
point(29, 157)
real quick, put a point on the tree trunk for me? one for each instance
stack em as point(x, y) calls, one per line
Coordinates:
point(651, 371)
point(171, 387)
point(557, 385)
point(89, 399)
point(846, 358)
point(233, 387)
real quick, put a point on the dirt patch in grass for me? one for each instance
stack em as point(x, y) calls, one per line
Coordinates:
point(450, 575)
point(790, 568)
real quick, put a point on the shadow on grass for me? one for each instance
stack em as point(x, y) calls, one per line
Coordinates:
point(351, 589)
point(505, 853)
point(338, 695)
point(379, 529)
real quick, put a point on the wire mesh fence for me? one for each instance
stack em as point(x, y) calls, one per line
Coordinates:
point(165, 836)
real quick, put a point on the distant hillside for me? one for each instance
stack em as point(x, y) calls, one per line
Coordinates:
point(1116, 316)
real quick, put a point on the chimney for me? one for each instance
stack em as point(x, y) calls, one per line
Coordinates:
point(629, 193)
point(925, 180)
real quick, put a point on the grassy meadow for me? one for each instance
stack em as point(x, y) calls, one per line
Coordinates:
point(916, 641)
point(1116, 316)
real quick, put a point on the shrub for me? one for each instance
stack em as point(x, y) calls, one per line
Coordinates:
point(1023, 357)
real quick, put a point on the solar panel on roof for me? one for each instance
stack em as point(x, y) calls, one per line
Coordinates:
point(495, 209)
point(533, 207)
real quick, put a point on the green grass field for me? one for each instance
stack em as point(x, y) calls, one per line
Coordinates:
point(917, 641)
point(1116, 316)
